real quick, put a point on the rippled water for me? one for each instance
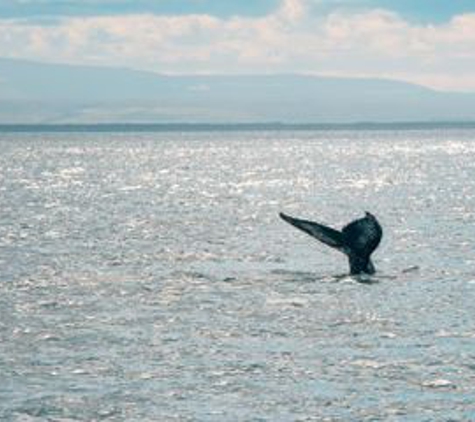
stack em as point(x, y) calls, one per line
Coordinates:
point(147, 277)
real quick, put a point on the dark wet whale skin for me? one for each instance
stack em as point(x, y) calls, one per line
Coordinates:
point(358, 239)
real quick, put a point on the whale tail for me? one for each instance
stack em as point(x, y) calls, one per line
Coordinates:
point(324, 234)
point(360, 264)
point(357, 240)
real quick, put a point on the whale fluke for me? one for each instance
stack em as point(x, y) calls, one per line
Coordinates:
point(358, 240)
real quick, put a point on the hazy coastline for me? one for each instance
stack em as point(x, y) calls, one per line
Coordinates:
point(230, 127)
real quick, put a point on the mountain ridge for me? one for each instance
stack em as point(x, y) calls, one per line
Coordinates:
point(32, 92)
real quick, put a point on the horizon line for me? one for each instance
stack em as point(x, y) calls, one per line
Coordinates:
point(232, 126)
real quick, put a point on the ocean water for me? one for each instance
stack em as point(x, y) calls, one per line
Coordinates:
point(147, 277)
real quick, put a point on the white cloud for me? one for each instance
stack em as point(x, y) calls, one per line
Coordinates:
point(376, 43)
point(291, 10)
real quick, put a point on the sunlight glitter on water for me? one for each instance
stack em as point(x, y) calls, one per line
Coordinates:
point(149, 277)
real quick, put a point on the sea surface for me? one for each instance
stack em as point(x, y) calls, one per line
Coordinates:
point(146, 276)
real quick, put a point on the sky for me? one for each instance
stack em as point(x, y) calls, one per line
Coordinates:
point(427, 42)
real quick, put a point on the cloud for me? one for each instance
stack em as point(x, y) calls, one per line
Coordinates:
point(373, 43)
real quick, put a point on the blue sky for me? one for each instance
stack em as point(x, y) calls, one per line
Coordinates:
point(415, 10)
point(221, 8)
point(428, 42)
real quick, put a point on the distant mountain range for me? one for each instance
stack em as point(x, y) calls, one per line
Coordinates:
point(38, 93)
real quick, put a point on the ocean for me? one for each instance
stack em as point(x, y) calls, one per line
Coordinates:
point(146, 275)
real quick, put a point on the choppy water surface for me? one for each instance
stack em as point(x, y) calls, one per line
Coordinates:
point(147, 277)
